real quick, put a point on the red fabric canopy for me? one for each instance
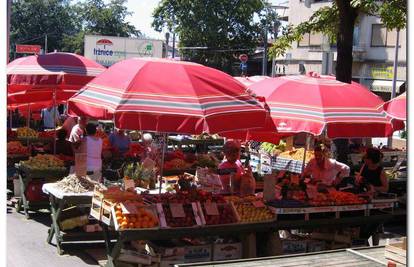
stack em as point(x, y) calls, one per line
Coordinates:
point(168, 96)
point(397, 107)
point(311, 103)
point(39, 75)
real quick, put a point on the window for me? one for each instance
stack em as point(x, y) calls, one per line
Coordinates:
point(314, 39)
point(381, 37)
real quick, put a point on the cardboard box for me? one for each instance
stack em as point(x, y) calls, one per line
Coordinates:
point(229, 251)
point(167, 250)
point(134, 257)
point(316, 245)
point(198, 253)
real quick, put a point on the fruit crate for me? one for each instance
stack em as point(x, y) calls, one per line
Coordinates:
point(254, 212)
point(218, 213)
point(175, 215)
point(102, 203)
point(138, 222)
point(397, 252)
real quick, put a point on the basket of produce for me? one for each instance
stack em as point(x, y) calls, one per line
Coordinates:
point(76, 184)
point(134, 215)
point(253, 212)
point(43, 166)
point(26, 133)
point(218, 213)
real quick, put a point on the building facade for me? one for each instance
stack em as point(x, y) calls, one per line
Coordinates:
point(373, 53)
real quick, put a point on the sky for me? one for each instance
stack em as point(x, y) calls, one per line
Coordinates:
point(142, 16)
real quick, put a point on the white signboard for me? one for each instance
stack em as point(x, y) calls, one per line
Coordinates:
point(107, 50)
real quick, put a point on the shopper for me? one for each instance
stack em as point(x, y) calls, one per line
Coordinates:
point(77, 133)
point(47, 115)
point(68, 125)
point(325, 170)
point(372, 174)
point(92, 145)
point(120, 141)
point(231, 169)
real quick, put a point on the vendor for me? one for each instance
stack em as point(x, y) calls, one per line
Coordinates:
point(120, 141)
point(231, 166)
point(324, 169)
point(372, 174)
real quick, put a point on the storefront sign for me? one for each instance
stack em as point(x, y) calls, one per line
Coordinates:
point(28, 49)
point(107, 50)
point(382, 72)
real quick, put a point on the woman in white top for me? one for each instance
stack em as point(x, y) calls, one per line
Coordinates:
point(93, 145)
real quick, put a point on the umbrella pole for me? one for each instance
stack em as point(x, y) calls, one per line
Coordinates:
point(11, 118)
point(54, 121)
point(164, 145)
point(306, 150)
point(28, 116)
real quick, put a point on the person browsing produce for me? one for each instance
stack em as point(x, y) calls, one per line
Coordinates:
point(92, 145)
point(120, 141)
point(77, 132)
point(231, 166)
point(324, 169)
point(372, 174)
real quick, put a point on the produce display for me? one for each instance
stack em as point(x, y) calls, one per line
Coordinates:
point(47, 134)
point(207, 160)
point(142, 176)
point(115, 194)
point(225, 215)
point(249, 213)
point(297, 154)
point(134, 151)
point(16, 148)
point(101, 134)
point(177, 160)
point(174, 221)
point(75, 184)
point(346, 198)
point(44, 162)
point(273, 149)
point(26, 132)
point(137, 217)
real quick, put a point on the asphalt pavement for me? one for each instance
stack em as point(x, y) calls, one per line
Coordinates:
point(27, 246)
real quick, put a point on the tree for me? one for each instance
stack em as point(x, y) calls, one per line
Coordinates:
point(96, 17)
point(31, 20)
point(224, 28)
point(337, 22)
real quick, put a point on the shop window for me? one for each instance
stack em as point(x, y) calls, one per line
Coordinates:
point(314, 39)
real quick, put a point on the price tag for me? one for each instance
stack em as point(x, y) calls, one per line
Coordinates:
point(129, 183)
point(211, 208)
point(177, 210)
point(311, 191)
point(258, 204)
point(128, 208)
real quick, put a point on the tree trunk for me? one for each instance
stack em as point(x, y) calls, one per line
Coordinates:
point(345, 38)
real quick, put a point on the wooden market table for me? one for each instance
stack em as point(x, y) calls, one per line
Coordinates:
point(59, 201)
point(25, 176)
point(242, 229)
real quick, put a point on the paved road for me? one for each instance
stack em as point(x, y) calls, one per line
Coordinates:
point(27, 246)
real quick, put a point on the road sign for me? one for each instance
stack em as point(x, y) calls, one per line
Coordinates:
point(243, 57)
point(28, 49)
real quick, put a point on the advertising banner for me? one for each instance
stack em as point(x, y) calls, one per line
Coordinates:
point(107, 50)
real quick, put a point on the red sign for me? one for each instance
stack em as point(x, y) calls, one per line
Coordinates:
point(29, 49)
point(243, 57)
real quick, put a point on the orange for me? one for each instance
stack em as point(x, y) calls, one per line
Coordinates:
point(132, 219)
point(137, 225)
point(144, 225)
point(145, 218)
point(119, 218)
point(131, 225)
point(118, 213)
point(124, 224)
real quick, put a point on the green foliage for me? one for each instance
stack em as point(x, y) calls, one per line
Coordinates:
point(226, 28)
point(31, 20)
point(393, 14)
point(66, 23)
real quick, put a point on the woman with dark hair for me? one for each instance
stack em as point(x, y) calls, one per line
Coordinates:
point(372, 173)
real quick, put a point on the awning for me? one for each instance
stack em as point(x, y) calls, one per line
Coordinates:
point(385, 86)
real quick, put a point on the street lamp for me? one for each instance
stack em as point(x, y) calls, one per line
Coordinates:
point(264, 61)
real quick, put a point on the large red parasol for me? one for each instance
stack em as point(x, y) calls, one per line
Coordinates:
point(312, 103)
point(35, 78)
point(168, 96)
point(397, 107)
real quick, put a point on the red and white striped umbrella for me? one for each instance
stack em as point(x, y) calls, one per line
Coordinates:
point(397, 107)
point(35, 78)
point(313, 103)
point(248, 81)
point(168, 96)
